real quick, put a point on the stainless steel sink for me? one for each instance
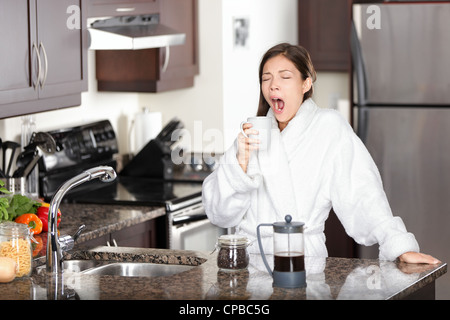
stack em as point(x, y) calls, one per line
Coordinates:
point(138, 269)
point(124, 269)
point(80, 265)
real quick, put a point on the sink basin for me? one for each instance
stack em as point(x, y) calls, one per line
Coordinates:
point(138, 269)
point(80, 265)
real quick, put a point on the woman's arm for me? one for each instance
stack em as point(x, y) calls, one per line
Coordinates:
point(227, 192)
point(360, 202)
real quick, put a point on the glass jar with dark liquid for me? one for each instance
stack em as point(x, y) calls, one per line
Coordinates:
point(289, 261)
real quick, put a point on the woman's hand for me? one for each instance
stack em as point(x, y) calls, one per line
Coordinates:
point(417, 257)
point(246, 145)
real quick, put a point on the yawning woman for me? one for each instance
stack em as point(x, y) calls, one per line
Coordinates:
point(315, 162)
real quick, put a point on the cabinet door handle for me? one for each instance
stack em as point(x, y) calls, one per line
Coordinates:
point(38, 76)
point(166, 59)
point(125, 9)
point(46, 65)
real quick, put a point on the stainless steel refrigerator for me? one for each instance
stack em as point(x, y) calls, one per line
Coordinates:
point(401, 95)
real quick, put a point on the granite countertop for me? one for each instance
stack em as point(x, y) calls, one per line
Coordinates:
point(103, 219)
point(99, 220)
point(327, 278)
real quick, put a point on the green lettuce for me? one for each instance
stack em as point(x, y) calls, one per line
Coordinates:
point(13, 206)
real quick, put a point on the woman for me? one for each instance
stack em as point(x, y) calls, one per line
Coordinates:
point(315, 163)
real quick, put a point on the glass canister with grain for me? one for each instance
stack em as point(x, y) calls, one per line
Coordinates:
point(15, 243)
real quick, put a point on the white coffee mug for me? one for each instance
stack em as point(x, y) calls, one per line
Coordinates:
point(264, 127)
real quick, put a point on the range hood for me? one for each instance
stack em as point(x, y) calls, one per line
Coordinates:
point(133, 33)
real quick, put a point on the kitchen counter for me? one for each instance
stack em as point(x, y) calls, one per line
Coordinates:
point(330, 278)
point(99, 220)
point(104, 219)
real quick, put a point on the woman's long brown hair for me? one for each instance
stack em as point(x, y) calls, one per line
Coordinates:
point(300, 57)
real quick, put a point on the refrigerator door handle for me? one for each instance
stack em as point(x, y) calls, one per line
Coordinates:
point(363, 123)
point(361, 84)
point(358, 66)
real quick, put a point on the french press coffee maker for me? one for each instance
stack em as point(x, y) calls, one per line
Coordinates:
point(288, 252)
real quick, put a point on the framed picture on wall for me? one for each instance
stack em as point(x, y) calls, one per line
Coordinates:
point(241, 32)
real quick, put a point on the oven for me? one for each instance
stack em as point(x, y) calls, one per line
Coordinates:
point(149, 179)
point(190, 229)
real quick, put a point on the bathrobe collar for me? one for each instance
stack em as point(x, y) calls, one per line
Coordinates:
point(274, 163)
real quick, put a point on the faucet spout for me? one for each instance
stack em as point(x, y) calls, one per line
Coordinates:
point(56, 245)
point(104, 173)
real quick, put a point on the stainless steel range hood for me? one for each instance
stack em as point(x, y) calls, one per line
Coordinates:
point(133, 33)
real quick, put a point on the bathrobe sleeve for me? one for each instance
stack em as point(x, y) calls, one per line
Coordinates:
point(227, 192)
point(359, 200)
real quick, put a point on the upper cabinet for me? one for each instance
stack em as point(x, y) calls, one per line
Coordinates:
point(324, 30)
point(151, 70)
point(43, 56)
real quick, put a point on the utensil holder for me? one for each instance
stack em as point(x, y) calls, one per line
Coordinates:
point(16, 185)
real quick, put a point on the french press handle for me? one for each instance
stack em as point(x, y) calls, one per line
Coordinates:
point(263, 255)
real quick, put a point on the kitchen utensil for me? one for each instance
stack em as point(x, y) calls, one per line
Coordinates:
point(26, 171)
point(166, 133)
point(288, 253)
point(9, 145)
point(44, 140)
point(40, 143)
point(16, 185)
point(2, 174)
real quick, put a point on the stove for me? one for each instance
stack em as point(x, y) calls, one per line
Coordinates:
point(173, 195)
point(149, 179)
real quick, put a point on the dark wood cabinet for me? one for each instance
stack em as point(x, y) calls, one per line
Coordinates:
point(144, 70)
point(324, 30)
point(43, 56)
point(18, 25)
point(142, 235)
point(338, 243)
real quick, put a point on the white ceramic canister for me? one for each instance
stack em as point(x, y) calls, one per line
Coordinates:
point(147, 126)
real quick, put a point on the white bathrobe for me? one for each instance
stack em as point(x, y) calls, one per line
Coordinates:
point(316, 163)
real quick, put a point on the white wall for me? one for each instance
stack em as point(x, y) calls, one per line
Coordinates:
point(268, 25)
point(200, 108)
point(225, 92)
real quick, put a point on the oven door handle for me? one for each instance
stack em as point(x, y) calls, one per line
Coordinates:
point(188, 218)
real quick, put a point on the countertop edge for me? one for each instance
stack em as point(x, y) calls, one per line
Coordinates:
point(419, 283)
point(131, 254)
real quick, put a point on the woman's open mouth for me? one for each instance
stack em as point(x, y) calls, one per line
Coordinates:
point(278, 105)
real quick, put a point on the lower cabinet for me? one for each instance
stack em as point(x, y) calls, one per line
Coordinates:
point(142, 235)
point(338, 243)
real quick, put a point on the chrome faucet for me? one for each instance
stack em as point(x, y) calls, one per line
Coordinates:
point(56, 245)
